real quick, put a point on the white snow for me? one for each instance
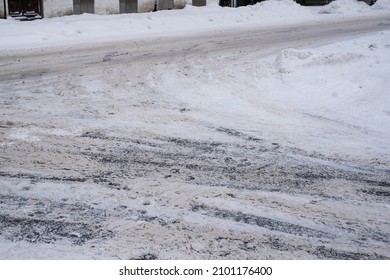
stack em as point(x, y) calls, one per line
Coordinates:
point(382, 5)
point(331, 100)
point(345, 7)
point(97, 28)
point(342, 83)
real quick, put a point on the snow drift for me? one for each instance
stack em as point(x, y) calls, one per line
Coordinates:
point(345, 7)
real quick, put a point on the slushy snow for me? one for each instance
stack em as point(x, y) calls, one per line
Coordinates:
point(189, 156)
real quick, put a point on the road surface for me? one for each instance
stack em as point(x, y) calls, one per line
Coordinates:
point(97, 161)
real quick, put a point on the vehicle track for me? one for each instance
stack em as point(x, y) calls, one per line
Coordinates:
point(94, 161)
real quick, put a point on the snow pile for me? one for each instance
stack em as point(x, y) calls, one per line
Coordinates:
point(382, 5)
point(280, 9)
point(345, 7)
point(344, 81)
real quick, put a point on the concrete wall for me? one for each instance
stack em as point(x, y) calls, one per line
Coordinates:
point(199, 3)
point(148, 5)
point(106, 7)
point(55, 8)
point(145, 6)
point(2, 10)
point(179, 4)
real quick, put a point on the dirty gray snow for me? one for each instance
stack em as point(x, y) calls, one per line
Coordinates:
point(167, 149)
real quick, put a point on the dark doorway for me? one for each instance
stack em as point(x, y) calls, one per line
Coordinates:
point(27, 8)
point(83, 6)
point(128, 6)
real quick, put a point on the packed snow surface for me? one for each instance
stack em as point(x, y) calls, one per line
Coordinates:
point(269, 144)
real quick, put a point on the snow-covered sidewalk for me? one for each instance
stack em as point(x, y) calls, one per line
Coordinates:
point(100, 28)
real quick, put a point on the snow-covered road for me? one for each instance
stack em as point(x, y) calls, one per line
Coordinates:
point(18, 62)
point(243, 144)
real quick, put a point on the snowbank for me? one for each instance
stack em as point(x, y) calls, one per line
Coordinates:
point(382, 5)
point(345, 7)
point(273, 10)
point(88, 28)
